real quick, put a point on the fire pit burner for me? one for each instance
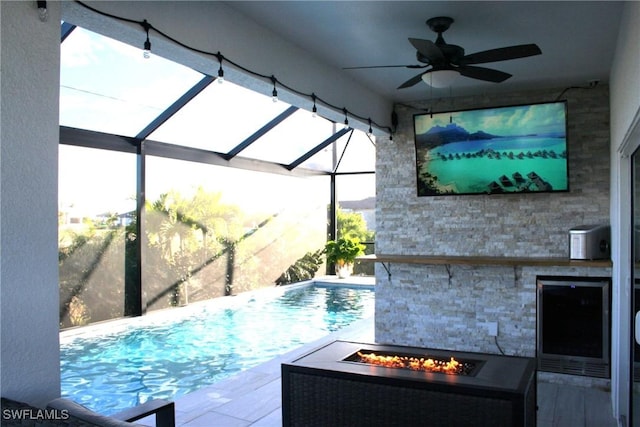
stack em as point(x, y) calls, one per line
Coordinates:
point(427, 363)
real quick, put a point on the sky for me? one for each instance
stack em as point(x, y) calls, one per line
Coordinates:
point(108, 86)
point(504, 121)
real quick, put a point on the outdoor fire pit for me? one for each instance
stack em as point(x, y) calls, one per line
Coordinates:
point(423, 363)
point(356, 384)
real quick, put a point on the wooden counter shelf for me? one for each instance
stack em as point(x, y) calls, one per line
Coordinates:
point(448, 260)
point(485, 260)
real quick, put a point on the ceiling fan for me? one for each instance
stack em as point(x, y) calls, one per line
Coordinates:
point(447, 61)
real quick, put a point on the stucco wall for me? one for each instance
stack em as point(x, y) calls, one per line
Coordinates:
point(432, 306)
point(29, 358)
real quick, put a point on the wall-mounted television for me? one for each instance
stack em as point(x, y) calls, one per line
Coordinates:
point(500, 150)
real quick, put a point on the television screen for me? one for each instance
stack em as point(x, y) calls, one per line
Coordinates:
point(513, 149)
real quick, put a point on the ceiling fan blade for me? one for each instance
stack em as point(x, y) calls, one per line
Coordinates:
point(412, 81)
point(501, 54)
point(384, 66)
point(429, 50)
point(481, 73)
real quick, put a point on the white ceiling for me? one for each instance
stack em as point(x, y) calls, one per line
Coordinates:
point(577, 39)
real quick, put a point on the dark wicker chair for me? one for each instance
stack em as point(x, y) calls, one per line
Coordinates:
point(65, 412)
point(164, 411)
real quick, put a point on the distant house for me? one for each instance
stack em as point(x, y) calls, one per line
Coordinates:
point(123, 219)
point(365, 207)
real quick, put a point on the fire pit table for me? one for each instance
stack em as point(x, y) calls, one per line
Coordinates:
point(358, 384)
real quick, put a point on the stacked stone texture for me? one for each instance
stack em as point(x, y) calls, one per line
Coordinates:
point(448, 307)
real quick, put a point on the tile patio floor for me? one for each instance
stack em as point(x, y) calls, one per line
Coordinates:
point(252, 398)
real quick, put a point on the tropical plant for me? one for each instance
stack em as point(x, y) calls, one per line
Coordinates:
point(343, 251)
point(303, 269)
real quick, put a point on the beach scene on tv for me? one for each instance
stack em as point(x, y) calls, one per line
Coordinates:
point(494, 150)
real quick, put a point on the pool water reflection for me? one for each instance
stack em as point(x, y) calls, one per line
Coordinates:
point(166, 354)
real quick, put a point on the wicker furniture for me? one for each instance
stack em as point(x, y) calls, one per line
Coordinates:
point(163, 410)
point(64, 412)
point(320, 389)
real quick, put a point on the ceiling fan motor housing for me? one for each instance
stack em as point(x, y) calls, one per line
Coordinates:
point(451, 52)
point(439, 24)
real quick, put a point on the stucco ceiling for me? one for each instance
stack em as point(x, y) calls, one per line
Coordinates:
point(577, 39)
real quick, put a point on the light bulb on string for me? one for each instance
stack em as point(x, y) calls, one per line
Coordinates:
point(42, 10)
point(220, 75)
point(274, 93)
point(314, 110)
point(370, 131)
point(346, 119)
point(220, 70)
point(146, 52)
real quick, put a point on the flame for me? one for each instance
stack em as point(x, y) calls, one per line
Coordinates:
point(418, 364)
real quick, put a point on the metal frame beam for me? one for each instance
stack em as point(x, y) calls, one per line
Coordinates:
point(333, 138)
point(65, 30)
point(260, 132)
point(93, 139)
point(175, 107)
point(142, 147)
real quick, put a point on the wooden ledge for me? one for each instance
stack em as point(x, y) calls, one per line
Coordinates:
point(485, 260)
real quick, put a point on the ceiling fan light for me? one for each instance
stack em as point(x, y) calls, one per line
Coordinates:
point(440, 78)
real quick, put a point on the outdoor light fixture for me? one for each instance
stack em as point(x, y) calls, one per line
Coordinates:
point(220, 70)
point(274, 93)
point(42, 10)
point(314, 110)
point(440, 78)
point(146, 52)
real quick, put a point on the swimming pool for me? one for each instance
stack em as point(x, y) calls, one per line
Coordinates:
point(166, 354)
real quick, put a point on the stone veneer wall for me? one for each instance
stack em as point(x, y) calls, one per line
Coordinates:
point(449, 306)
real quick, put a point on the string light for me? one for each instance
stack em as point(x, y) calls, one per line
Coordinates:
point(43, 14)
point(274, 93)
point(220, 70)
point(370, 131)
point(314, 110)
point(147, 52)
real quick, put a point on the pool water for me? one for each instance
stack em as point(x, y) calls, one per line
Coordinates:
point(166, 354)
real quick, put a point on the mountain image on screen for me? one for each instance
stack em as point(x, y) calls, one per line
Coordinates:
point(501, 150)
point(439, 135)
